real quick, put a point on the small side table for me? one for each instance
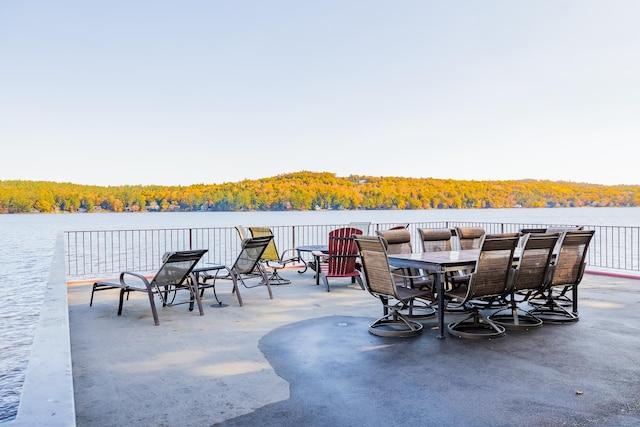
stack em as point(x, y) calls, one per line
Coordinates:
point(311, 248)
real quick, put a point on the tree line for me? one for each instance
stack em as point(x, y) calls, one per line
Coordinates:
point(309, 191)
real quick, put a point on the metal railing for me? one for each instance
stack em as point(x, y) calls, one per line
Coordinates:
point(107, 252)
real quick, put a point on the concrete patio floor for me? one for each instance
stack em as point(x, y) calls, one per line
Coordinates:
point(306, 358)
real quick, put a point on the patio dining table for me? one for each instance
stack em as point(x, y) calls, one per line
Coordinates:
point(440, 263)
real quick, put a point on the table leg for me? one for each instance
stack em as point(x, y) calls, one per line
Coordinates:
point(317, 269)
point(303, 261)
point(441, 303)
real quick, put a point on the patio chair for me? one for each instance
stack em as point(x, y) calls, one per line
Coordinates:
point(273, 259)
point(398, 241)
point(470, 237)
point(362, 226)
point(566, 274)
point(435, 239)
point(340, 260)
point(246, 267)
point(529, 277)
point(175, 274)
point(490, 279)
point(381, 283)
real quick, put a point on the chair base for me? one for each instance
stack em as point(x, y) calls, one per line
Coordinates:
point(399, 327)
point(517, 319)
point(475, 326)
point(276, 279)
point(417, 310)
point(555, 313)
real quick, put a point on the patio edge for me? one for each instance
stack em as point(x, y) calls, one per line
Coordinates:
point(47, 394)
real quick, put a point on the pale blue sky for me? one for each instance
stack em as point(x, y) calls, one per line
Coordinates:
point(184, 92)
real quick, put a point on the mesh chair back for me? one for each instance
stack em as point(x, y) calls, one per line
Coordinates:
point(570, 261)
point(251, 254)
point(243, 232)
point(535, 261)
point(435, 239)
point(271, 252)
point(378, 278)
point(176, 266)
point(398, 241)
point(493, 270)
point(470, 237)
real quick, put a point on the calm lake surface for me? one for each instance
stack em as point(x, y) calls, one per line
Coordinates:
point(27, 243)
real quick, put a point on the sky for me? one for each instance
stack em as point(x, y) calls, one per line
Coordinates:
point(153, 92)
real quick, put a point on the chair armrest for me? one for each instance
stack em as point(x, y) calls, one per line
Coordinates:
point(126, 285)
point(284, 259)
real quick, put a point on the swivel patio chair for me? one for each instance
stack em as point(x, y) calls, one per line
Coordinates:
point(398, 241)
point(246, 269)
point(566, 274)
point(530, 276)
point(273, 259)
point(381, 283)
point(340, 260)
point(470, 237)
point(490, 279)
point(175, 274)
point(435, 239)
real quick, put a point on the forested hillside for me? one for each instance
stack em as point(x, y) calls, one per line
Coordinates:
point(308, 191)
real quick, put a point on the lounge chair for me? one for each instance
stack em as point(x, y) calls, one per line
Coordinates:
point(245, 268)
point(273, 259)
point(175, 274)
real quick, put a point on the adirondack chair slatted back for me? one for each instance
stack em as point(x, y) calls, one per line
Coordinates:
point(343, 251)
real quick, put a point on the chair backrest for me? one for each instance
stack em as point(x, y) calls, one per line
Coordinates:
point(378, 278)
point(470, 237)
point(563, 229)
point(571, 258)
point(398, 241)
point(271, 252)
point(524, 231)
point(243, 232)
point(493, 270)
point(435, 239)
point(343, 251)
point(362, 226)
point(535, 261)
point(176, 266)
point(250, 254)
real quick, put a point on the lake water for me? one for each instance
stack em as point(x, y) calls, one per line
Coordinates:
point(27, 245)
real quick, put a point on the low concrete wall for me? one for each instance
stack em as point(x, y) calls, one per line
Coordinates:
point(47, 394)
